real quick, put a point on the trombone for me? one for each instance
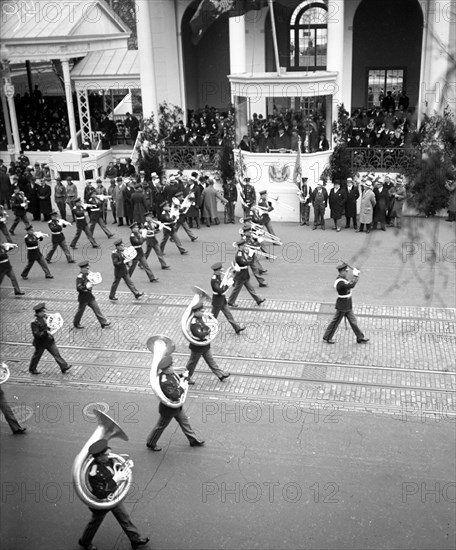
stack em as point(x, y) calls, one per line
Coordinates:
point(265, 236)
point(254, 250)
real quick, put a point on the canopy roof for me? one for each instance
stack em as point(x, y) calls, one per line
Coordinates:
point(117, 68)
point(43, 30)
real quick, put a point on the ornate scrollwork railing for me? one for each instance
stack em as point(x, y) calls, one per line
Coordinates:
point(187, 158)
point(368, 159)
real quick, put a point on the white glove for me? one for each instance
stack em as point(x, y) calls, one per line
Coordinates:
point(356, 272)
point(120, 476)
point(89, 286)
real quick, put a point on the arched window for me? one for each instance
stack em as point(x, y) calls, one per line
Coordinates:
point(309, 37)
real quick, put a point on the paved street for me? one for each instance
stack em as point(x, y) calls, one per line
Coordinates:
point(299, 423)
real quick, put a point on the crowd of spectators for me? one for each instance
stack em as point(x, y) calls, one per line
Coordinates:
point(42, 122)
point(206, 128)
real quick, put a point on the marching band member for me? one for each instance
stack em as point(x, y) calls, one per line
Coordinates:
point(194, 191)
point(121, 272)
point(16, 428)
point(182, 219)
point(172, 386)
point(60, 197)
point(254, 243)
point(81, 225)
point(200, 331)
point(219, 303)
point(247, 196)
point(95, 213)
point(242, 278)
point(101, 190)
point(7, 269)
point(42, 340)
point(19, 206)
point(169, 230)
point(34, 254)
point(58, 238)
point(86, 298)
point(344, 307)
point(152, 227)
point(137, 241)
point(265, 207)
point(3, 226)
point(103, 480)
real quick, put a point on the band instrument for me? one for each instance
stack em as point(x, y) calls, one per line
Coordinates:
point(4, 218)
point(54, 322)
point(162, 346)
point(64, 223)
point(4, 373)
point(254, 250)
point(9, 246)
point(40, 235)
point(187, 203)
point(208, 319)
point(129, 253)
point(262, 235)
point(102, 197)
point(106, 429)
point(228, 276)
point(162, 225)
point(94, 277)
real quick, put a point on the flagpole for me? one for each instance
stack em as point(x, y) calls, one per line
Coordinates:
point(274, 36)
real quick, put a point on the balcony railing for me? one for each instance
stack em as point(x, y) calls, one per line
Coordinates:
point(186, 158)
point(367, 159)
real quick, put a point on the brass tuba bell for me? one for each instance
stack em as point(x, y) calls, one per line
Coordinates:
point(208, 318)
point(106, 429)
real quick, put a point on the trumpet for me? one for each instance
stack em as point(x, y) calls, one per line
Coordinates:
point(9, 246)
point(102, 197)
point(228, 276)
point(40, 235)
point(264, 236)
point(254, 250)
point(64, 223)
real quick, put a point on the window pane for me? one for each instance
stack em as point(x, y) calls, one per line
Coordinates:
point(314, 16)
point(376, 81)
point(395, 82)
point(292, 48)
point(321, 46)
point(306, 48)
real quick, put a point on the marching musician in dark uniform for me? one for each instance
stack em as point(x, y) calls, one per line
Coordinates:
point(248, 196)
point(304, 201)
point(151, 227)
point(201, 331)
point(43, 340)
point(34, 254)
point(170, 230)
point(103, 481)
point(172, 386)
point(344, 307)
point(95, 213)
point(266, 207)
point(243, 260)
point(182, 219)
point(121, 272)
point(7, 269)
point(60, 197)
point(252, 240)
point(231, 195)
point(137, 240)
point(81, 225)
point(219, 303)
point(58, 238)
point(195, 191)
point(3, 226)
point(19, 207)
point(14, 425)
point(86, 298)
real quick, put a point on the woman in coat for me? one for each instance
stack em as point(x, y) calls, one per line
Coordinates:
point(120, 207)
point(209, 198)
point(139, 205)
point(366, 212)
point(337, 200)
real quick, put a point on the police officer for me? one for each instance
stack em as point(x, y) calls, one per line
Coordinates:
point(344, 307)
point(34, 254)
point(86, 298)
point(58, 238)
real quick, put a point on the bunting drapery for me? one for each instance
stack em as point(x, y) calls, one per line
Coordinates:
point(210, 10)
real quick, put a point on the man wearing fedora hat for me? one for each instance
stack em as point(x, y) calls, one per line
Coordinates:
point(121, 272)
point(103, 479)
point(344, 307)
point(44, 340)
point(86, 298)
point(173, 386)
point(366, 211)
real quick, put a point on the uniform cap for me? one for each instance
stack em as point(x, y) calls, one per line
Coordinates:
point(133, 225)
point(39, 307)
point(217, 266)
point(166, 362)
point(69, 179)
point(163, 204)
point(263, 192)
point(54, 213)
point(180, 194)
point(77, 200)
point(240, 242)
point(246, 180)
point(29, 227)
point(119, 241)
point(349, 179)
point(341, 266)
point(198, 306)
point(98, 447)
point(83, 264)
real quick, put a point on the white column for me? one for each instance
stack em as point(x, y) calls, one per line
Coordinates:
point(146, 59)
point(237, 45)
point(12, 113)
point(335, 59)
point(435, 90)
point(69, 100)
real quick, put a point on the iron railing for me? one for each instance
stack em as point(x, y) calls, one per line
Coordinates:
point(367, 159)
point(186, 158)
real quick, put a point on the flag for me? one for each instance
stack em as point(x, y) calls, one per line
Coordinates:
point(210, 10)
point(297, 172)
